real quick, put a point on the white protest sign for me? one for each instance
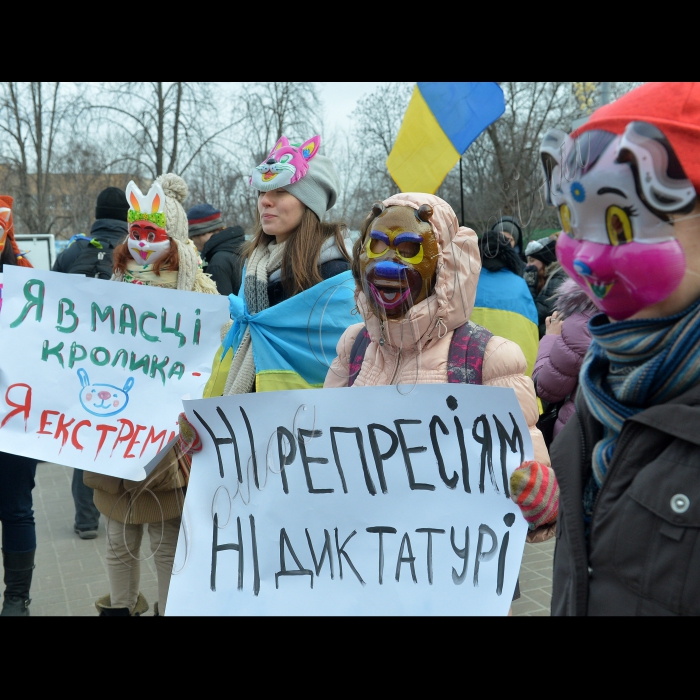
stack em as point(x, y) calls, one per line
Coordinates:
point(362, 501)
point(92, 372)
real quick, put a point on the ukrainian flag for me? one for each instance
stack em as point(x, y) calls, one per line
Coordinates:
point(441, 122)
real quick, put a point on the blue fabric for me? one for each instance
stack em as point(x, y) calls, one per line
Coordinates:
point(16, 508)
point(506, 291)
point(463, 110)
point(299, 334)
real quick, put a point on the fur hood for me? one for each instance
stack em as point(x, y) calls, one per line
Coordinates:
point(570, 299)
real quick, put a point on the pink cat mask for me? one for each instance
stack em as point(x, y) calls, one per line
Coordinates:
point(286, 164)
point(615, 196)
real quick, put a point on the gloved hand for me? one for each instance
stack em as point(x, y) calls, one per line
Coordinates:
point(188, 440)
point(534, 487)
point(530, 276)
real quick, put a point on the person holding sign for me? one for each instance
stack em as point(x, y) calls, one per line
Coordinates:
point(296, 279)
point(157, 252)
point(626, 186)
point(416, 272)
point(16, 475)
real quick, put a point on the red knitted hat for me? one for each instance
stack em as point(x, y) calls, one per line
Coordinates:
point(674, 108)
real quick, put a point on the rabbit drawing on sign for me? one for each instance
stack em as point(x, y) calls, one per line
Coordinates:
point(103, 399)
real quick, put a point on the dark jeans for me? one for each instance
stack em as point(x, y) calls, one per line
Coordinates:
point(86, 514)
point(16, 513)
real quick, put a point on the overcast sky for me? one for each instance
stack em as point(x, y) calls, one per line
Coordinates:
point(339, 99)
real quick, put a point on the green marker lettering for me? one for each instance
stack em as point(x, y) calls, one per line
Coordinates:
point(108, 313)
point(123, 323)
point(159, 367)
point(176, 331)
point(177, 368)
point(144, 317)
point(144, 362)
point(73, 357)
point(123, 355)
point(32, 301)
point(55, 351)
point(102, 362)
point(69, 311)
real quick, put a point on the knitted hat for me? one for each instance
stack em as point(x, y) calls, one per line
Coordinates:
point(175, 191)
point(111, 204)
point(299, 168)
point(319, 188)
point(545, 253)
point(203, 218)
point(509, 225)
point(674, 108)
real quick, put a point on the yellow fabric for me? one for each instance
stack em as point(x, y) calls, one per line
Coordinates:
point(219, 373)
point(422, 155)
point(281, 380)
point(515, 327)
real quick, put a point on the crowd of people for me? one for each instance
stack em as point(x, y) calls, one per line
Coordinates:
point(596, 328)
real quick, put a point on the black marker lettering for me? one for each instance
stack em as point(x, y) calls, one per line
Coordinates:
point(377, 453)
point(361, 447)
point(410, 559)
point(305, 460)
point(341, 552)
point(223, 441)
point(502, 563)
point(326, 550)
point(458, 579)
point(430, 531)
point(407, 452)
point(486, 449)
point(284, 571)
point(463, 455)
point(216, 548)
point(382, 530)
point(480, 554)
point(285, 460)
point(256, 568)
point(452, 482)
point(514, 441)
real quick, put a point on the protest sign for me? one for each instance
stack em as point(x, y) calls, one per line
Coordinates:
point(364, 501)
point(92, 372)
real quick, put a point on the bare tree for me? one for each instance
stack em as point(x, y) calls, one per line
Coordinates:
point(161, 127)
point(33, 117)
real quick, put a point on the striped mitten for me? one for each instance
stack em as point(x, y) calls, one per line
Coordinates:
point(188, 439)
point(534, 488)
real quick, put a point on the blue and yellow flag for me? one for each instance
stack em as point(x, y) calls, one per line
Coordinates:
point(441, 122)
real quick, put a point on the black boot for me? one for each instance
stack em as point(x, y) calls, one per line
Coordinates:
point(18, 580)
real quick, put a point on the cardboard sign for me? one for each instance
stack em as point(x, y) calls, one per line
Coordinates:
point(363, 501)
point(92, 372)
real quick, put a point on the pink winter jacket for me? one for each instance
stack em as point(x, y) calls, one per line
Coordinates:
point(416, 348)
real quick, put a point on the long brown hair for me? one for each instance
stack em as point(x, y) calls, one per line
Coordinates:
point(122, 256)
point(300, 262)
point(357, 248)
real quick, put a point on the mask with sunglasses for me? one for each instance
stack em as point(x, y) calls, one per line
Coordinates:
point(398, 259)
point(616, 197)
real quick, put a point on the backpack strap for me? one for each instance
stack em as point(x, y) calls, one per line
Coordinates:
point(465, 360)
point(357, 355)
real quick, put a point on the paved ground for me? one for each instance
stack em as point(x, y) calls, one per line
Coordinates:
point(71, 573)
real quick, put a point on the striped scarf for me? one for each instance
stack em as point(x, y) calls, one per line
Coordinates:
point(630, 366)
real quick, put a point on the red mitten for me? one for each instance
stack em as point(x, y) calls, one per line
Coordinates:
point(188, 439)
point(534, 487)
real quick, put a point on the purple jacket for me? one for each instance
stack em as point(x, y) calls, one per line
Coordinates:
point(560, 357)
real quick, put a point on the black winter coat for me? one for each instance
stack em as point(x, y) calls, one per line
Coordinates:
point(643, 556)
point(545, 300)
point(222, 254)
point(104, 230)
point(275, 290)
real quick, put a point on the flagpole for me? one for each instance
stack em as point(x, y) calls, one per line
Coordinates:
point(461, 189)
